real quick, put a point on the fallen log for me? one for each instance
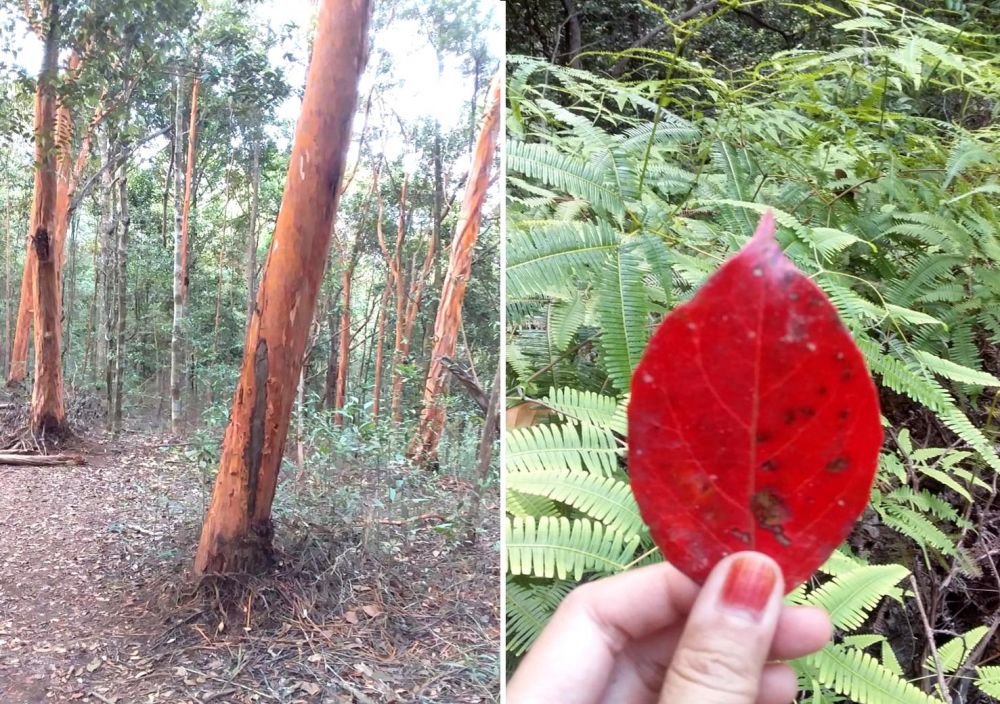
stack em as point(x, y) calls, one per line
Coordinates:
point(40, 460)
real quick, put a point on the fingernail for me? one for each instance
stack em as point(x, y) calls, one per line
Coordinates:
point(748, 585)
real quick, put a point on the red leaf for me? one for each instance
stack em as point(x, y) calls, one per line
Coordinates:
point(753, 422)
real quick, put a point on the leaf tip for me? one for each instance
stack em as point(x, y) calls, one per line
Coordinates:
point(766, 227)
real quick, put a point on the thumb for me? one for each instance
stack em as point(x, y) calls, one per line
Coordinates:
point(725, 643)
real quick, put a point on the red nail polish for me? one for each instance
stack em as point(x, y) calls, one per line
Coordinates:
point(748, 585)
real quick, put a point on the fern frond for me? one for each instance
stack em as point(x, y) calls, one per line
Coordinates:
point(529, 608)
point(547, 260)
point(988, 680)
point(861, 677)
point(575, 177)
point(556, 447)
point(605, 499)
point(849, 597)
point(952, 654)
point(560, 547)
point(587, 406)
point(622, 310)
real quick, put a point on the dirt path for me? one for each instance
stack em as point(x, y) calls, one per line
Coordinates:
point(96, 605)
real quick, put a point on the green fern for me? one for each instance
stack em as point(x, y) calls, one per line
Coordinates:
point(605, 499)
point(988, 680)
point(563, 548)
point(861, 677)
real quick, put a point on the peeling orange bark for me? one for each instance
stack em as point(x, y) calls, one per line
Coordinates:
point(48, 408)
point(67, 181)
point(236, 536)
point(423, 448)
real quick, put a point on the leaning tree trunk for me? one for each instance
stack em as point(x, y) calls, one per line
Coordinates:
point(237, 531)
point(48, 406)
point(423, 447)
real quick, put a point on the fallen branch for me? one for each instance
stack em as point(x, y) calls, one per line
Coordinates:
point(40, 460)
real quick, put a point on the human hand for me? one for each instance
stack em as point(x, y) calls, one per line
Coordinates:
point(652, 635)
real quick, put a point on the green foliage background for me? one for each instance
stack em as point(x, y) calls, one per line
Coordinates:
point(879, 156)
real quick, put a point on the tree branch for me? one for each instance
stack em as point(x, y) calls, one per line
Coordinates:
point(619, 68)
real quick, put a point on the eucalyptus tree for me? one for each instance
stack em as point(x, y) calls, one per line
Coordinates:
point(237, 532)
point(99, 37)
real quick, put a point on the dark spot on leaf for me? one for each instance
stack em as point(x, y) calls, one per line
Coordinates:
point(740, 535)
point(821, 391)
point(844, 414)
point(763, 436)
point(769, 465)
point(779, 535)
point(837, 464)
point(846, 374)
point(815, 300)
point(789, 416)
point(807, 411)
point(768, 508)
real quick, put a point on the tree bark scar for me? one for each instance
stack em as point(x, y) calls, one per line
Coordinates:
point(253, 453)
point(41, 244)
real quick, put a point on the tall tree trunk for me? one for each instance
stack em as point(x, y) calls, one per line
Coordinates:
point(71, 304)
point(573, 25)
point(251, 273)
point(237, 531)
point(121, 278)
point(396, 398)
point(348, 262)
point(330, 381)
point(166, 182)
point(379, 346)
point(177, 329)
point(188, 188)
point(423, 447)
point(90, 342)
point(25, 313)
point(67, 177)
point(218, 282)
point(104, 275)
point(344, 345)
point(6, 283)
point(48, 406)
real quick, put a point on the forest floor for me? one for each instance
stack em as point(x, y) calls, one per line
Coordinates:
point(97, 603)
